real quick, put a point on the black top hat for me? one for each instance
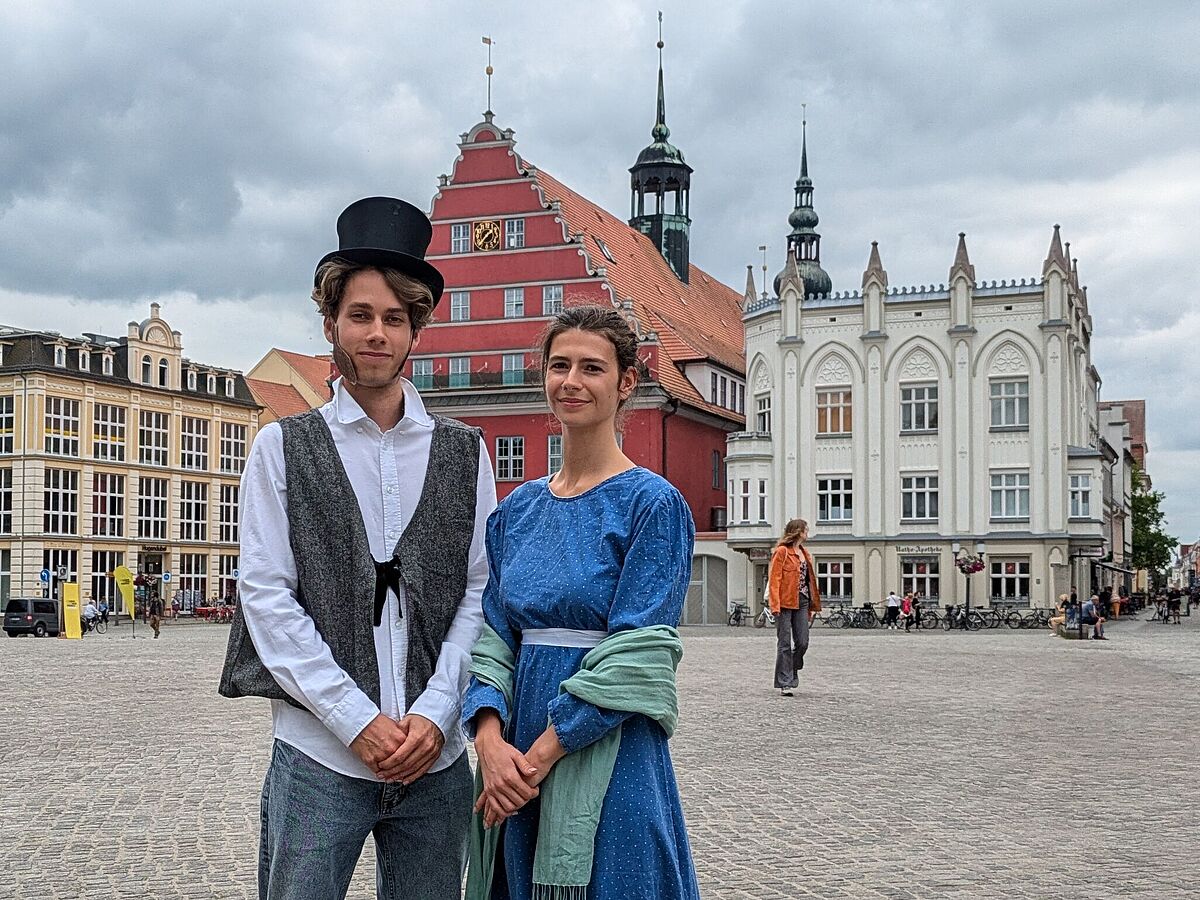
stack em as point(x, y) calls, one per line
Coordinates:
point(390, 233)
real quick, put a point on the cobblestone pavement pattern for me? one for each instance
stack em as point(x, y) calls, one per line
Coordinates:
point(997, 764)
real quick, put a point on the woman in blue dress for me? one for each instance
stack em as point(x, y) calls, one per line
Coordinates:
point(601, 547)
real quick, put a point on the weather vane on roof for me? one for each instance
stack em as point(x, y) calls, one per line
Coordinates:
point(489, 70)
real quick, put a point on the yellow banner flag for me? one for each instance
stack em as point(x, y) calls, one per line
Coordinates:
point(70, 601)
point(124, 579)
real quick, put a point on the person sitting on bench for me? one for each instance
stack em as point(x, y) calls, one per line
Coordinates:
point(1091, 617)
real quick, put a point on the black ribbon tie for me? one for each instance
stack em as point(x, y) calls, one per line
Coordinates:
point(387, 575)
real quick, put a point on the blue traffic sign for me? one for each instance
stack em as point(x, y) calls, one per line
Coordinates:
point(235, 573)
point(166, 577)
point(45, 576)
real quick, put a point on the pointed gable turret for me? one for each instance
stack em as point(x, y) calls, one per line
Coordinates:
point(961, 267)
point(875, 282)
point(1056, 277)
point(751, 294)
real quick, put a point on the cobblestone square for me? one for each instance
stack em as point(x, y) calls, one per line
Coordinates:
point(993, 764)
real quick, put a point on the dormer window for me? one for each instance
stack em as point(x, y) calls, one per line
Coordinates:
point(60, 357)
point(212, 384)
point(85, 361)
point(146, 370)
point(228, 387)
point(106, 364)
point(191, 379)
point(163, 371)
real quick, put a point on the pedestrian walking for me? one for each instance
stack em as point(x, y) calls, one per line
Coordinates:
point(589, 573)
point(917, 601)
point(794, 601)
point(891, 611)
point(362, 567)
point(906, 610)
point(156, 613)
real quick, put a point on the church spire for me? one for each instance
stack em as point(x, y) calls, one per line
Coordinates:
point(804, 243)
point(661, 184)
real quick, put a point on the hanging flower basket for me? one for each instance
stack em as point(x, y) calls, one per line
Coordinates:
point(969, 565)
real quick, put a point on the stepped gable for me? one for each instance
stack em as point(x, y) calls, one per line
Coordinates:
point(695, 321)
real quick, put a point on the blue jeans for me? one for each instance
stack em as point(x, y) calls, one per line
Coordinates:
point(315, 822)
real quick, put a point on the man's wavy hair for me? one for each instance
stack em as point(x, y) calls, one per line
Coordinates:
point(334, 275)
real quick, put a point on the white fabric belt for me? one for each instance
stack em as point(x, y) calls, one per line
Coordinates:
point(562, 637)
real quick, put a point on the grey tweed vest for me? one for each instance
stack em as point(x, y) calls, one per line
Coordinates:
point(335, 570)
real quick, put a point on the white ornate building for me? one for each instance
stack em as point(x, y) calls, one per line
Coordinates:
point(903, 422)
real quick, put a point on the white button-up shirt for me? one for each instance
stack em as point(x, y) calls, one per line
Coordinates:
point(387, 471)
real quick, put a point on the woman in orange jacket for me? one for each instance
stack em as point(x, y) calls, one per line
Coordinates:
point(794, 600)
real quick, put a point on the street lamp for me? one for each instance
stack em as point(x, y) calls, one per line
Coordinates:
point(968, 564)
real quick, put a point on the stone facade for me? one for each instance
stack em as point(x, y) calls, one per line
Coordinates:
point(901, 422)
point(119, 451)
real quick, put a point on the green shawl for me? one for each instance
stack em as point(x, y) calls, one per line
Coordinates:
point(630, 671)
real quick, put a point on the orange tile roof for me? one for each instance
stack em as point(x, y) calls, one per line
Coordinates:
point(313, 369)
point(695, 321)
point(281, 399)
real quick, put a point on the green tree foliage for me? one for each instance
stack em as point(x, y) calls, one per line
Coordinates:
point(1152, 546)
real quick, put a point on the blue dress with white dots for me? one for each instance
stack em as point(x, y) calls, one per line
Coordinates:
point(615, 557)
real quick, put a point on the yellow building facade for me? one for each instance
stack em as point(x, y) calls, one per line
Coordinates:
point(120, 451)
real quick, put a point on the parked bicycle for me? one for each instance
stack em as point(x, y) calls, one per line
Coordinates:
point(764, 618)
point(738, 614)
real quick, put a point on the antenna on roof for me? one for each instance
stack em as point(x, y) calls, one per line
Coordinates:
point(489, 70)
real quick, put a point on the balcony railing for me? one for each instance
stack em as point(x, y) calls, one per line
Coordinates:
point(467, 380)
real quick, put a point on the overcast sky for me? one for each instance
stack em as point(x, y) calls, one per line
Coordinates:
point(198, 153)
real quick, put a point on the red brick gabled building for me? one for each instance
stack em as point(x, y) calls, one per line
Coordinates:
point(515, 244)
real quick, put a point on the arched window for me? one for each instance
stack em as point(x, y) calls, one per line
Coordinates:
point(162, 373)
point(146, 372)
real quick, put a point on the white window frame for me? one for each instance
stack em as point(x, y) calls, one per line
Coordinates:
point(60, 357)
point(713, 381)
point(1010, 495)
point(927, 583)
point(514, 234)
point(919, 497)
point(835, 578)
point(835, 411)
point(6, 500)
point(104, 587)
point(460, 372)
point(460, 237)
point(108, 504)
point(512, 367)
point(154, 437)
point(228, 516)
point(554, 454)
point(60, 501)
point(191, 379)
point(762, 500)
point(193, 510)
point(723, 392)
point(108, 432)
point(193, 443)
point(193, 580)
point(918, 408)
point(106, 364)
point(153, 494)
point(741, 398)
point(229, 385)
point(85, 361)
point(8, 422)
point(762, 413)
point(1010, 587)
point(211, 383)
point(744, 500)
point(835, 499)
point(1081, 496)
point(460, 306)
point(552, 299)
point(514, 303)
point(422, 374)
point(1010, 402)
point(164, 373)
point(147, 370)
point(61, 426)
point(5, 576)
point(227, 564)
point(233, 448)
point(510, 458)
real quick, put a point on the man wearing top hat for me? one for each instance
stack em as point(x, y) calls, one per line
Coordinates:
point(362, 567)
